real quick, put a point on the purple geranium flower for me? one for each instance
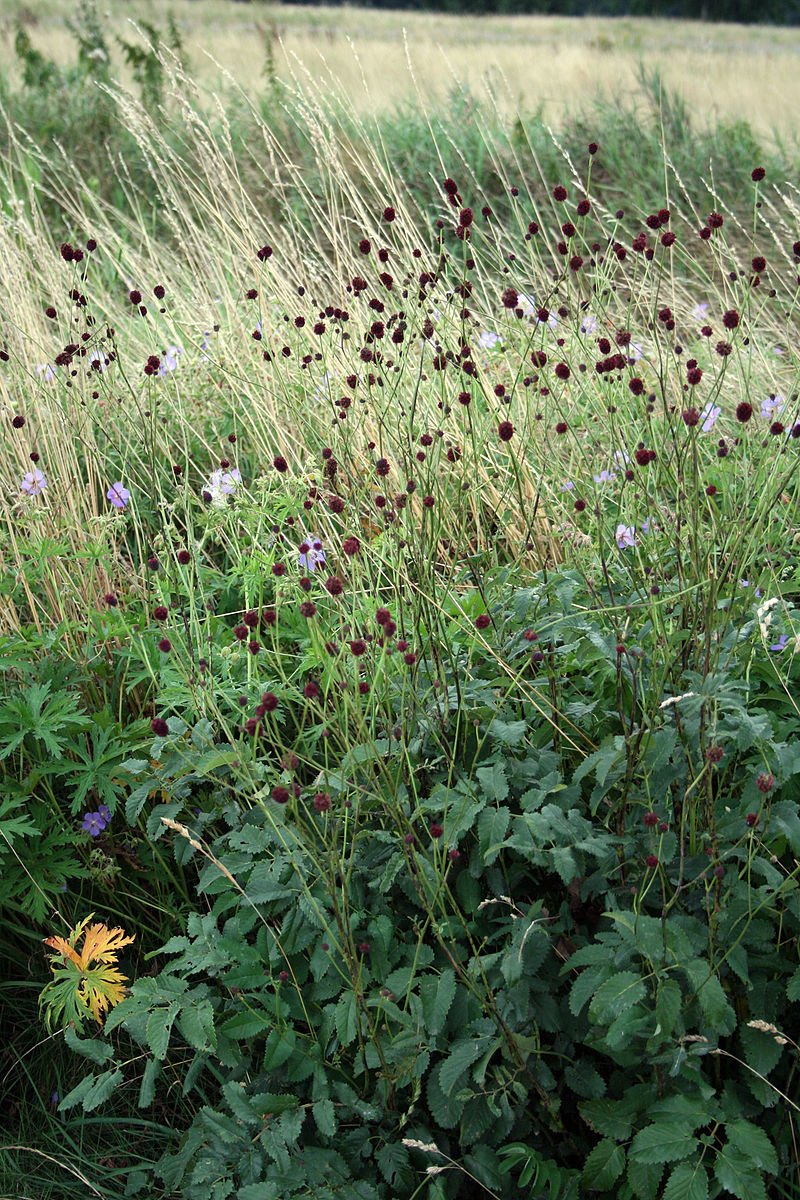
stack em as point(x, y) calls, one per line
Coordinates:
point(311, 554)
point(93, 823)
point(772, 406)
point(169, 360)
point(709, 416)
point(625, 536)
point(780, 644)
point(118, 494)
point(33, 483)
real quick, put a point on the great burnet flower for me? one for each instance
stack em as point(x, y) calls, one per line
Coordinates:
point(118, 495)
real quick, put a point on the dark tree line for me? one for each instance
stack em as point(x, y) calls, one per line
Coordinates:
point(781, 12)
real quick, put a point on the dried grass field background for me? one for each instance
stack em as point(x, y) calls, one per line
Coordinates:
point(725, 72)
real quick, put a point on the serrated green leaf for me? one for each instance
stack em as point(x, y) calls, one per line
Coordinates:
point(493, 781)
point(611, 1118)
point(258, 1191)
point(669, 999)
point(324, 1117)
point(753, 1143)
point(714, 1004)
point(688, 1181)
point(76, 1095)
point(95, 1049)
point(102, 1087)
point(644, 1179)
point(616, 996)
point(240, 1104)
point(458, 1061)
point(585, 986)
point(346, 1018)
point(393, 1161)
point(662, 1142)
point(437, 995)
point(604, 1166)
point(159, 1028)
point(271, 1104)
point(196, 1024)
point(793, 986)
point(445, 1110)
point(492, 828)
point(245, 1025)
point(279, 1048)
point(761, 1051)
point(585, 1080)
point(736, 1174)
point(147, 1088)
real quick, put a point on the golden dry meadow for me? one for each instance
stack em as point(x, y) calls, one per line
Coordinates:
point(724, 72)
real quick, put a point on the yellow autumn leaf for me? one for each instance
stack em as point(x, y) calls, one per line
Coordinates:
point(86, 979)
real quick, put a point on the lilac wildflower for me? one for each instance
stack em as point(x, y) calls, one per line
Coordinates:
point(625, 536)
point(605, 476)
point(699, 312)
point(33, 483)
point(772, 406)
point(169, 360)
point(588, 324)
point(118, 495)
point(47, 372)
point(709, 416)
point(488, 340)
point(219, 485)
point(93, 823)
point(311, 554)
point(780, 644)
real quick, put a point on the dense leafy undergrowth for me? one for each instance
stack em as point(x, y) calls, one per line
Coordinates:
point(399, 664)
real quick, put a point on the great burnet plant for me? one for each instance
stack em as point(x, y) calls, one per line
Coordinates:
point(493, 934)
